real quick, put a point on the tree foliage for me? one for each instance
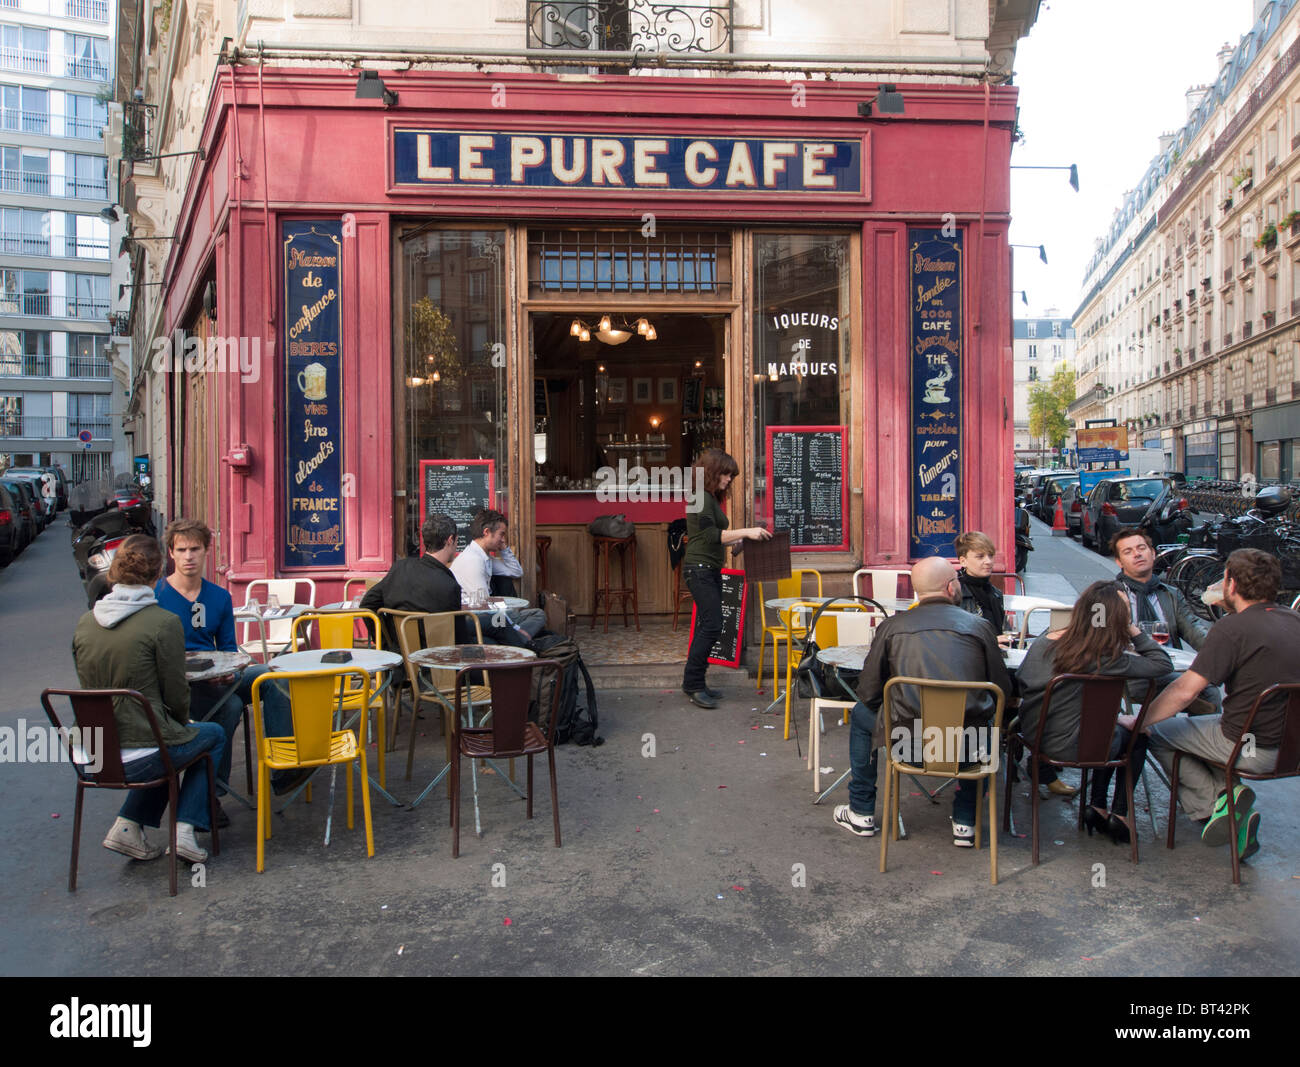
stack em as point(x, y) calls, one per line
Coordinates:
point(1048, 403)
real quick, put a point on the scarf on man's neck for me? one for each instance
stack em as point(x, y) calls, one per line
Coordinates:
point(1145, 591)
point(982, 590)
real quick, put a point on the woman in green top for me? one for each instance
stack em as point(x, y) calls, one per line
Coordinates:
point(706, 533)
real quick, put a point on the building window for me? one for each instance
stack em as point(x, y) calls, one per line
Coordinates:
point(1056, 329)
point(84, 116)
point(25, 48)
point(87, 57)
point(87, 296)
point(622, 261)
point(89, 411)
point(87, 177)
point(1033, 374)
point(1031, 329)
point(88, 355)
point(1033, 351)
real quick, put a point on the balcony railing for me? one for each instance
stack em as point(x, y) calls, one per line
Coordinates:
point(89, 69)
point(21, 181)
point(45, 305)
point(14, 365)
point(86, 129)
point(54, 427)
point(630, 26)
point(13, 118)
point(25, 60)
point(24, 244)
point(90, 10)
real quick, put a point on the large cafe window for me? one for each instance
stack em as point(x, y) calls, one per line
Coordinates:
point(802, 332)
point(451, 402)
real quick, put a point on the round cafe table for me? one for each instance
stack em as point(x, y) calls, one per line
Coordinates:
point(370, 660)
point(455, 658)
point(224, 664)
point(261, 617)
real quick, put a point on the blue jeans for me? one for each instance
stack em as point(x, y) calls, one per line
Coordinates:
point(864, 760)
point(276, 717)
point(146, 806)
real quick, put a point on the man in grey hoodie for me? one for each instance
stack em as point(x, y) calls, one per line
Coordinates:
point(128, 642)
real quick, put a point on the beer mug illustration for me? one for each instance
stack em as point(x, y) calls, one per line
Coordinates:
point(311, 380)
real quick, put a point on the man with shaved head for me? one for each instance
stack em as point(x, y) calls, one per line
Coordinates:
point(936, 639)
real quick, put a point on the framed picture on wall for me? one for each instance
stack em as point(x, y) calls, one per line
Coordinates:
point(692, 397)
point(642, 390)
point(617, 391)
point(668, 390)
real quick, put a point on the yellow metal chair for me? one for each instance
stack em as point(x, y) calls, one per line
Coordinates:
point(792, 586)
point(943, 716)
point(338, 629)
point(416, 631)
point(314, 698)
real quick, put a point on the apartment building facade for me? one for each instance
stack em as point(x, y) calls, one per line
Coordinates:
point(1189, 332)
point(56, 386)
point(1039, 347)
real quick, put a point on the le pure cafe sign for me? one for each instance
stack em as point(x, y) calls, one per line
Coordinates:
point(466, 159)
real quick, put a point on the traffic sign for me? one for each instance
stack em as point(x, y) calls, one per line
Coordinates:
point(85, 437)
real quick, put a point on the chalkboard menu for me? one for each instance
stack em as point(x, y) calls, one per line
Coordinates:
point(727, 648)
point(808, 491)
point(458, 488)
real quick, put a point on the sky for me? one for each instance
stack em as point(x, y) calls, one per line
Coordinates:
point(1099, 81)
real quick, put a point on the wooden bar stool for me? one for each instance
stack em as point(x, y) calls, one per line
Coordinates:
point(543, 572)
point(681, 595)
point(601, 548)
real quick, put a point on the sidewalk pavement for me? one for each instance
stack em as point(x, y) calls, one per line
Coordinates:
point(691, 846)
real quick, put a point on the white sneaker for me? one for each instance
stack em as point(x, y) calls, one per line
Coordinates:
point(128, 838)
point(186, 847)
point(963, 836)
point(862, 825)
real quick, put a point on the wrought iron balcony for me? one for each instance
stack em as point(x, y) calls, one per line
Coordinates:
point(630, 26)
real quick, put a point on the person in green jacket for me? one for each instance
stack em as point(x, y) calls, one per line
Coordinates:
point(128, 642)
point(706, 533)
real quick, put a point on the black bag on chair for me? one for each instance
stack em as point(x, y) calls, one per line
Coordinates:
point(611, 526)
point(576, 716)
point(811, 676)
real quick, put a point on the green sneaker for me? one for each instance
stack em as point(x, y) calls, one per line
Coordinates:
point(1217, 831)
point(1248, 837)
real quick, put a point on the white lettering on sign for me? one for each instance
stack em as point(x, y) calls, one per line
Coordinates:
point(525, 152)
point(643, 167)
point(472, 147)
point(424, 167)
point(775, 153)
point(741, 169)
point(804, 318)
point(814, 166)
point(696, 174)
point(607, 155)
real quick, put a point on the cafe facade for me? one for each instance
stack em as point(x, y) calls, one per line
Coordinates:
point(552, 293)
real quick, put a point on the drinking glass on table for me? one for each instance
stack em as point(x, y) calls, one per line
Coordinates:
point(1160, 632)
point(272, 603)
point(254, 605)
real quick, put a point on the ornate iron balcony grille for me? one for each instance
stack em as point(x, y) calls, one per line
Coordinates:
point(630, 26)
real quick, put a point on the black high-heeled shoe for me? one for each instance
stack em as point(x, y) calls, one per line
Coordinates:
point(1097, 820)
point(1118, 829)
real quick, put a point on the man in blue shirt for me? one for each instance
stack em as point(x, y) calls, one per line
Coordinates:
point(207, 615)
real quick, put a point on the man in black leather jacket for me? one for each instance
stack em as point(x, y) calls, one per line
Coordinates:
point(937, 640)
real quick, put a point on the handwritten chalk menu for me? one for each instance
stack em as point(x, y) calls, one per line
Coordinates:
point(936, 357)
point(727, 648)
point(458, 488)
point(313, 393)
point(809, 491)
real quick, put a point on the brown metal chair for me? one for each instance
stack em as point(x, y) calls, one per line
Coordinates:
point(93, 711)
point(1288, 763)
point(943, 708)
point(1102, 701)
point(509, 733)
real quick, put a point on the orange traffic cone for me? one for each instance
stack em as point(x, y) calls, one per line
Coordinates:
point(1059, 529)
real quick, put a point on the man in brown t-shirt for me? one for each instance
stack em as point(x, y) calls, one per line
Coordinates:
point(1249, 650)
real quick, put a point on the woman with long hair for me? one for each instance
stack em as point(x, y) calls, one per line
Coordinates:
point(127, 641)
point(1100, 639)
point(706, 533)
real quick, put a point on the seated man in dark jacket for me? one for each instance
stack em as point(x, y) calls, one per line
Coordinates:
point(937, 640)
point(422, 583)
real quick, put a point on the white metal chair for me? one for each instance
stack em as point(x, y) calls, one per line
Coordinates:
point(851, 628)
point(276, 634)
point(884, 583)
point(1058, 619)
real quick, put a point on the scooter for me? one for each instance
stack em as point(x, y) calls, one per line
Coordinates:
point(96, 543)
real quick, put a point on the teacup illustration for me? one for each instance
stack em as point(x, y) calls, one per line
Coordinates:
point(311, 380)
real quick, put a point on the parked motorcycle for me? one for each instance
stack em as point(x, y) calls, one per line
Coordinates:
point(96, 543)
point(1168, 517)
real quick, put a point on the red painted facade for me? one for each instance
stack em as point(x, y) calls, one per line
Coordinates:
point(293, 142)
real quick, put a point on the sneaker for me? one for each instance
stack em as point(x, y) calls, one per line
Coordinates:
point(862, 825)
point(963, 836)
point(128, 838)
point(187, 848)
point(1248, 838)
point(1217, 831)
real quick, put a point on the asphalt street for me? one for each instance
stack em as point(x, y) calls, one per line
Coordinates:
point(691, 846)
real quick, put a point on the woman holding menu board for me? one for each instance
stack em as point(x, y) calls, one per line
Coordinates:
point(706, 533)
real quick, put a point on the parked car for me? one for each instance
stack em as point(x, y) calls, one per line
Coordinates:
point(1072, 497)
point(1116, 502)
point(10, 527)
point(60, 482)
point(21, 493)
point(1054, 490)
point(40, 513)
point(1038, 483)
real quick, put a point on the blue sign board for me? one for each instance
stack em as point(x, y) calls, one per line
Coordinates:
point(935, 279)
point(1101, 455)
point(1089, 479)
point(313, 391)
point(492, 159)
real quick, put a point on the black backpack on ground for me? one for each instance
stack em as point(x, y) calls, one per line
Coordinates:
point(577, 716)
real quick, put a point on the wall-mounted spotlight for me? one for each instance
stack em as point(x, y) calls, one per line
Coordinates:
point(1042, 252)
point(889, 101)
point(370, 86)
point(1073, 168)
point(109, 214)
point(1024, 297)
